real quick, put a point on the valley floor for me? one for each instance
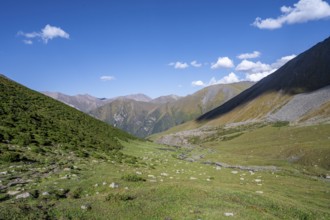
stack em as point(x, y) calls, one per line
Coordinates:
point(162, 186)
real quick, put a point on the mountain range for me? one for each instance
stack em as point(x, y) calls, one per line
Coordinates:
point(142, 116)
point(297, 93)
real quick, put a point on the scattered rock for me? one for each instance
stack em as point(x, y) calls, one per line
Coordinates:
point(104, 183)
point(164, 174)
point(257, 180)
point(138, 173)
point(23, 196)
point(12, 193)
point(114, 185)
point(151, 176)
point(67, 169)
point(241, 178)
point(218, 168)
point(229, 214)
point(193, 178)
point(234, 172)
point(45, 194)
point(259, 192)
point(65, 177)
point(86, 207)
point(3, 173)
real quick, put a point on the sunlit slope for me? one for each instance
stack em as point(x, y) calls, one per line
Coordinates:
point(30, 118)
point(146, 118)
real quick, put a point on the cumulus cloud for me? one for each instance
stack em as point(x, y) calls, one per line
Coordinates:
point(28, 42)
point(224, 62)
point(195, 64)
point(198, 83)
point(179, 65)
point(280, 62)
point(254, 77)
point(107, 78)
point(253, 55)
point(230, 78)
point(255, 71)
point(47, 33)
point(250, 66)
point(302, 11)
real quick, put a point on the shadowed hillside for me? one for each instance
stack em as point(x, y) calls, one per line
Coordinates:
point(307, 72)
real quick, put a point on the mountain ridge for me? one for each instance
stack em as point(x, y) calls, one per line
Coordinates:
point(306, 72)
point(145, 118)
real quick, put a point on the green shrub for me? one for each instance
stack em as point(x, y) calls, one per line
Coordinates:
point(10, 157)
point(37, 150)
point(75, 193)
point(34, 193)
point(119, 197)
point(279, 124)
point(133, 178)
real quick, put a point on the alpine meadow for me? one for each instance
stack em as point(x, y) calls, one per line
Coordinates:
point(166, 110)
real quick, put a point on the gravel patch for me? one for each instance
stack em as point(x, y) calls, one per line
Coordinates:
point(301, 104)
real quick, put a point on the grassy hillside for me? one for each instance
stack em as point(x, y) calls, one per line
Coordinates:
point(162, 186)
point(30, 118)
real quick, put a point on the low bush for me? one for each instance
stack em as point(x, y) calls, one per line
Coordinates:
point(119, 197)
point(133, 178)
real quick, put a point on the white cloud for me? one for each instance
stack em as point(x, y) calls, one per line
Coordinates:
point(195, 64)
point(255, 71)
point(302, 11)
point(254, 77)
point(230, 78)
point(280, 62)
point(28, 42)
point(179, 65)
point(198, 83)
point(107, 78)
point(50, 32)
point(47, 33)
point(254, 67)
point(253, 55)
point(224, 62)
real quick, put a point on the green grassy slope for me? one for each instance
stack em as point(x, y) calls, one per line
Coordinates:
point(30, 118)
point(164, 187)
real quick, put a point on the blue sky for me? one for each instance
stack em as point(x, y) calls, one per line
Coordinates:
point(156, 47)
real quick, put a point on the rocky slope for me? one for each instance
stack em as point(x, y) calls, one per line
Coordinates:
point(84, 103)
